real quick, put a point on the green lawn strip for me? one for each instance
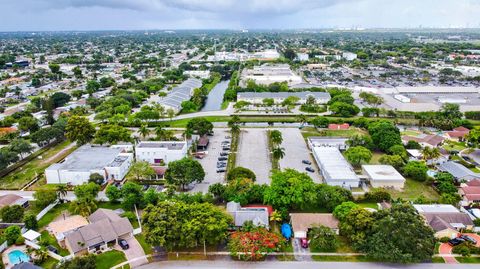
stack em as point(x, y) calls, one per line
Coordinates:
point(49, 263)
point(468, 259)
point(232, 157)
point(20, 177)
point(147, 248)
point(413, 189)
point(52, 214)
point(308, 132)
point(224, 105)
point(438, 260)
point(52, 241)
point(109, 259)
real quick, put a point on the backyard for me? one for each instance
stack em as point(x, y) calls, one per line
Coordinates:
point(414, 189)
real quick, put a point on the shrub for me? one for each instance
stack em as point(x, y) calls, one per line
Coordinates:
point(444, 239)
point(20, 241)
point(377, 195)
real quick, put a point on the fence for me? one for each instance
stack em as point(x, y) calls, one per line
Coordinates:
point(3, 246)
point(46, 209)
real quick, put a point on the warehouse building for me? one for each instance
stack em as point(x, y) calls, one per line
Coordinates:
point(335, 170)
point(383, 176)
point(268, 74)
point(279, 97)
point(156, 152)
point(111, 163)
point(179, 94)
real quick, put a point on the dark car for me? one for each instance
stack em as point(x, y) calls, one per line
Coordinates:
point(226, 148)
point(307, 162)
point(222, 158)
point(468, 238)
point(309, 169)
point(221, 164)
point(304, 242)
point(221, 170)
point(456, 241)
point(123, 244)
point(52, 249)
point(224, 153)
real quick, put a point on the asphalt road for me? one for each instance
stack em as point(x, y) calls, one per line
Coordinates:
point(303, 265)
point(253, 153)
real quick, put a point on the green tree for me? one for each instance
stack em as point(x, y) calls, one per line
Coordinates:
point(81, 262)
point(413, 145)
point(142, 170)
point(393, 160)
point(217, 190)
point(113, 193)
point(398, 150)
point(28, 124)
point(184, 172)
point(96, 178)
point(240, 173)
point(278, 153)
point(43, 198)
point(132, 194)
point(384, 134)
point(320, 122)
point(12, 233)
point(357, 226)
point(416, 170)
point(358, 155)
point(276, 137)
point(60, 99)
point(290, 189)
point(79, 129)
point(344, 109)
point(144, 131)
point(20, 146)
point(200, 126)
point(401, 236)
point(329, 197)
point(30, 221)
point(61, 192)
point(322, 239)
point(112, 134)
point(342, 210)
point(88, 190)
point(83, 207)
point(12, 213)
point(361, 140)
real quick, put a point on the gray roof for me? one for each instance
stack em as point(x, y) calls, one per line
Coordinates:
point(458, 171)
point(87, 158)
point(103, 213)
point(259, 216)
point(168, 145)
point(301, 95)
point(26, 265)
point(181, 93)
point(442, 221)
point(335, 169)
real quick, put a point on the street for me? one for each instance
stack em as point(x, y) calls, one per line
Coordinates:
point(303, 265)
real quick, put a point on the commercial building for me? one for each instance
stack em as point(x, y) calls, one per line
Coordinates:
point(158, 152)
point(323, 141)
point(180, 93)
point(197, 73)
point(349, 56)
point(335, 170)
point(111, 163)
point(279, 97)
point(271, 73)
point(383, 176)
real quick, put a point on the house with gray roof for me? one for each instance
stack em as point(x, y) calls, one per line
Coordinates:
point(105, 228)
point(180, 93)
point(257, 215)
point(458, 171)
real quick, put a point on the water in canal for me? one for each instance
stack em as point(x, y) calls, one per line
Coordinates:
point(215, 97)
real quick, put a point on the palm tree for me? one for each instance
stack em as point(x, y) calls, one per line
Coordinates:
point(40, 254)
point(160, 109)
point(144, 131)
point(276, 137)
point(276, 216)
point(61, 192)
point(83, 207)
point(171, 113)
point(302, 119)
point(426, 153)
point(235, 129)
point(278, 153)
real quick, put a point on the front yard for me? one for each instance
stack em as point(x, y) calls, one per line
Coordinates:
point(109, 259)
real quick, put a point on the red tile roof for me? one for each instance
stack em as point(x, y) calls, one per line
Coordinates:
point(333, 126)
point(474, 183)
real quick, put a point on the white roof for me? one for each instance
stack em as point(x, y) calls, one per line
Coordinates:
point(31, 235)
point(334, 165)
point(436, 208)
point(382, 172)
point(415, 153)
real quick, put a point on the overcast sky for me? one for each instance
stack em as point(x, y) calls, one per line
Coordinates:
point(34, 15)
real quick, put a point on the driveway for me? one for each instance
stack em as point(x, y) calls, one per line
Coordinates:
point(446, 249)
point(253, 153)
point(134, 251)
point(209, 162)
point(297, 248)
point(296, 150)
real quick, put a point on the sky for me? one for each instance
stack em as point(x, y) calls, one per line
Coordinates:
point(53, 15)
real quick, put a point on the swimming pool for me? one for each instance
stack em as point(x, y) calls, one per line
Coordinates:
point(18, 256)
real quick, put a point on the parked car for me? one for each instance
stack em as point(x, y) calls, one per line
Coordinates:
point(228, 137)
point(52, 249)
point(123, 244)
point(221, 164)
point(200, 155)
point(221, 170)
point(309, 169)
point(304, 242)
point(224, 153)
point(226, 148)
point(307, 162)
point(222, 158)
point(456, 241)
point(468, 238)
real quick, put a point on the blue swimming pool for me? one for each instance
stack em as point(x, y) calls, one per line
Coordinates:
point(18, 256)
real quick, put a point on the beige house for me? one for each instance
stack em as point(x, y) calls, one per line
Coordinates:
point(302, 222)
point(383, 176)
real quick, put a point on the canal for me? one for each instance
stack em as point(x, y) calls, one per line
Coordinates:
point(215, 97)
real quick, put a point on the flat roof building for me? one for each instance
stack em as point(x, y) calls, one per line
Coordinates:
point(323, 141)
point(180, 93)
point(383, 176)
point(111, 163)
point(279, 97)
point(335, 170)
point(271, 73)
point(158, 152)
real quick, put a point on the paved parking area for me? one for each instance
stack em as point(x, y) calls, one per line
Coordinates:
point(253, 153)
point(296, 150)
point(134, 252)
point(297, 248)
point(209, 163)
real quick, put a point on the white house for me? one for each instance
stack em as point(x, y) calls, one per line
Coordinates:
point(383, 176)
point(111, 163)
point(157, 152)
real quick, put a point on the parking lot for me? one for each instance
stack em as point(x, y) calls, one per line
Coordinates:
point(209, 162)
point(296, 150)
point(253, 153)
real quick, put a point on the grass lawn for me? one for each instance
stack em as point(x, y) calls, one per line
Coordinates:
point(52, 241)
point(376, 157)
point(49, 263)
point(341, 259)
point(410, 133)
point(224, 105)
point(287, 249)
point(438, 260)
point(52, 214)
point(454, 146)
point(109, 205)
point(468, 259)
point(309, 131)
point(23, 175)
point(109, 259)
point(146, 247)
point(413, 189)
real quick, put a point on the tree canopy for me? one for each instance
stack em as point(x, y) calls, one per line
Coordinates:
point(183, 172)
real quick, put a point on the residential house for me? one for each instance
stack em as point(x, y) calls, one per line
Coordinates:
point(13, 199)
point(458, 171)
point(105, 228)
point(445, 220)
point(383, 176)
point(425, 140)
point(258, 215)
point(470, 192)
point(63, 227)
point(302, 222)
point(457, 134)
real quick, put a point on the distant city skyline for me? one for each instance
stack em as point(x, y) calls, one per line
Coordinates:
point(54, 15)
